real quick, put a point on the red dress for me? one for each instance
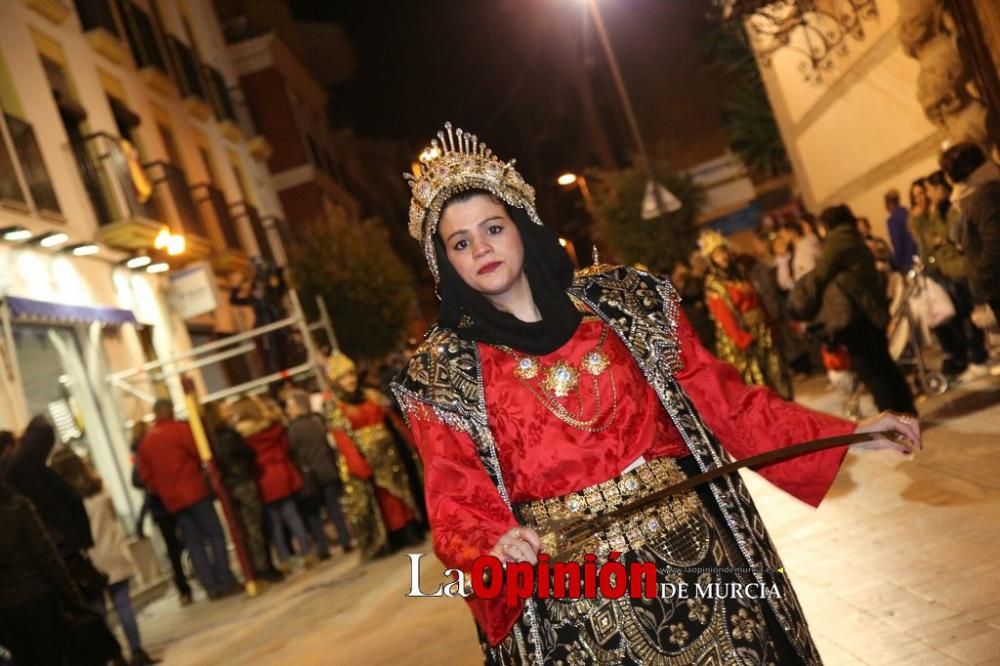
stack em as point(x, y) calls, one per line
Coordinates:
point(378, 457)
point(541, 456)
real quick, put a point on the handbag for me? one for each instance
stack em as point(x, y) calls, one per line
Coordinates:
point(90, 580)
point(90, 641)
point(932, 303)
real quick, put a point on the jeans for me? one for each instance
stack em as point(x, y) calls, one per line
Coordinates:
point(285, 512)
point(330, 496)
point(175, 550)
point(206, 542)
point(126, 614)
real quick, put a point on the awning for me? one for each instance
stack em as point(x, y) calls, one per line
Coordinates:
point(26, 308)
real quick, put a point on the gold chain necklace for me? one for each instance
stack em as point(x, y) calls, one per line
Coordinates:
point(562, 378)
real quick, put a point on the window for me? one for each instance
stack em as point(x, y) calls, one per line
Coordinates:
point(170, 145)
point(241, 179)
point(209, 164)
point(219, 92)
point(22, 169)
point(96, 14)
point(142, 37)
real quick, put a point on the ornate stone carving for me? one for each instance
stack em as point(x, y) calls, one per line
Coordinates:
point(946, 89)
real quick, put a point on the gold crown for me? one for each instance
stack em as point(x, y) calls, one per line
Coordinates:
point(456, 162)
point(710, 241)
point(339, 365)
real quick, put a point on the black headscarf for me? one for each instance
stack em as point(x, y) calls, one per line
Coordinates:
point(549, 272)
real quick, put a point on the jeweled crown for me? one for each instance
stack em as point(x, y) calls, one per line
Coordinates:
point(454, 162)
point(338, 365)
point(710, 241)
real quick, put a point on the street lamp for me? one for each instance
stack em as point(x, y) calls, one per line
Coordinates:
point(664, 203)
point(570, 178)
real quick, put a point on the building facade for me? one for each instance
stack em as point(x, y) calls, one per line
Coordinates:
point(857, 130)
point(119, 128)
point(285, 96)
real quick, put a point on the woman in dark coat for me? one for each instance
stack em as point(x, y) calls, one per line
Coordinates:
point(34, 585)
point(59, 507)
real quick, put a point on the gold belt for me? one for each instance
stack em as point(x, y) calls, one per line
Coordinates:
point(650, 524)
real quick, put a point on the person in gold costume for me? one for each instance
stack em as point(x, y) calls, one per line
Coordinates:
point(743, 334)
point(383, 492)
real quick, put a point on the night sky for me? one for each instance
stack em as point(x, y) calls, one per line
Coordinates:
point(499, 69)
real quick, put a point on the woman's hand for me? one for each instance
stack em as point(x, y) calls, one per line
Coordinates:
point(518, 544)
point(907, 426)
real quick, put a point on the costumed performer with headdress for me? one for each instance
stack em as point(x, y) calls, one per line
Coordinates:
point(743, 334)
point(381, 497)
point(541, 394)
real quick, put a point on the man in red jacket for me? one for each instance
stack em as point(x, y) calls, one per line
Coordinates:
point(170, 468)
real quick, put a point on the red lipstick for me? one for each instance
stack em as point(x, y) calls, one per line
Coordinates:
point(489, 268)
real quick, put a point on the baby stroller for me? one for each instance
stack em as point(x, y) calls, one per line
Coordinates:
point(905, 331)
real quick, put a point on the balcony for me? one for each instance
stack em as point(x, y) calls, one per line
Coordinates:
point(244, 211)
point(98, 21)
point(128, 213)
point(189, 75)
point(178, 207)
point(218, 93)
point(29, 156)
point(142, 39)
point(215, 212)
point(258, 144)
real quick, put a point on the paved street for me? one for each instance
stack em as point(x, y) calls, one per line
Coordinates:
point(898, 566)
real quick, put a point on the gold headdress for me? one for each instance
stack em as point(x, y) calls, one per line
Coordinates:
point(710, 241)
point(455, 162)
point(339, 365)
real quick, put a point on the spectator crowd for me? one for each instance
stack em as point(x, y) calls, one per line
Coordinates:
point(276, 470)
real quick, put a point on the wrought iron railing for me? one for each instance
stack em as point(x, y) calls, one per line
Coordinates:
point(174, 193)
point(115, 180)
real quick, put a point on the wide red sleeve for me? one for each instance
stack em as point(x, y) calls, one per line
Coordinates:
point(724, 315)
point(356, 463)
point(754, 419)
point(465, 511)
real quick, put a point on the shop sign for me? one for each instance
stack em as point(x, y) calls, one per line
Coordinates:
point(193, 291)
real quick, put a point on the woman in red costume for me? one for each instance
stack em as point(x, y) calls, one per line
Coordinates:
point(743, 335)
point(542, 394)
point(368, 436)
